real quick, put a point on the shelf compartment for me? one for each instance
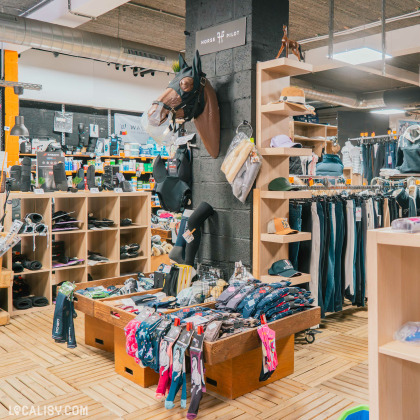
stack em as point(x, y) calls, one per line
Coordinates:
point(74, 246)
point(104, 207)
point(106, 242)
point(36, 205)
point(387, 236)
point(285, 239)
point(138, 236)
point(75, 204)
point(285, 151)
point(131, 267)
point(409, 352)
point(281, 108)
point(104, 271)
point(285, 195)
point(135, 208)
point(41, 253)
point(304, 278)
point(39, 284)
point(75, 273)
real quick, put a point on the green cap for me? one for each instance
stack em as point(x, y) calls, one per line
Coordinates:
point(281, 184)
point(283, 268)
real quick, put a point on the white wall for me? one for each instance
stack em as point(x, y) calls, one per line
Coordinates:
point(78, 81)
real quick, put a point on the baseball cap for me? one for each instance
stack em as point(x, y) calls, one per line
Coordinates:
point(283, 141)
point(283, 268)
point(280, 226)
point(281, 184)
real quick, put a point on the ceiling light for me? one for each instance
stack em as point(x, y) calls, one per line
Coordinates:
point(359, 56)
point(19, 128)
point(390, 111)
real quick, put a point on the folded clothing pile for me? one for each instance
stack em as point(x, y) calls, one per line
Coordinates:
point(20, 262)
point(22, 298)
point(130, 251)
point(62, 221)
point(131, 285)
point(99, 224)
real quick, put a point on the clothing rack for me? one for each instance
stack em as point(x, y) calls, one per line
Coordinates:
point(375, 139)
point(339, 187)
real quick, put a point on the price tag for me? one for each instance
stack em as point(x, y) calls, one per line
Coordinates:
point(166, 269)
point(38, 191)
point(417, 181)
point(311, 182)
point(389, 160)
point(188, 236)
point(118, 190)
point(291, 179)
point(358, 214)
point(348, 181)
point(6, 128)
point(94, 190)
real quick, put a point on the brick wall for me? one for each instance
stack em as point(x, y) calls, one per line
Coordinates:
point(227, 235)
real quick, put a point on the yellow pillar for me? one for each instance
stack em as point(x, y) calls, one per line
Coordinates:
point(11, 107)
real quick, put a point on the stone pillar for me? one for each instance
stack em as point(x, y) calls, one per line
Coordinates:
point(227, 236)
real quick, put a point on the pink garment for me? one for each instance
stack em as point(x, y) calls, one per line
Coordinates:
point(130, 338)
point(268, 339)
point(165, 370)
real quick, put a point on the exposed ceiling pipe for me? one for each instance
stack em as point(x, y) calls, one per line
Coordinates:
point(63, 40)
point(383, 99)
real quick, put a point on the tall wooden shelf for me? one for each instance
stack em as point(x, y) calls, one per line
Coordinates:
point(394, 288)
point(313, 135)
point(110, 205)
point(274, 119)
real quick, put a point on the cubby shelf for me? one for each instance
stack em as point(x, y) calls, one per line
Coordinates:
point(110, 205)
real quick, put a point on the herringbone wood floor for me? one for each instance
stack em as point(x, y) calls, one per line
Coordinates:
point(330, 376)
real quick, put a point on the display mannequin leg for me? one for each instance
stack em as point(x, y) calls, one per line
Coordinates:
point(196, 221)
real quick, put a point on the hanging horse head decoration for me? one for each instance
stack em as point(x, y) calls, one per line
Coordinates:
point(189, 96)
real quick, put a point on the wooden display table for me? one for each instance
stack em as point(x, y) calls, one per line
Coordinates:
point(233, 364)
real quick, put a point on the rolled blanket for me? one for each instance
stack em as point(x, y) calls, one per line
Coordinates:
point(39, 301)
point(32, 265)
point(22, 303)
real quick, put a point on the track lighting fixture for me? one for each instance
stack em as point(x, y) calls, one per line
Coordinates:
point(117, 66)
point(152, 73)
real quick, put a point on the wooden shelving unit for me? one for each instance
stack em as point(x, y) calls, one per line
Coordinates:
point(313, 135)
point(394, 288)
point(110, 205)
point(274, 119)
